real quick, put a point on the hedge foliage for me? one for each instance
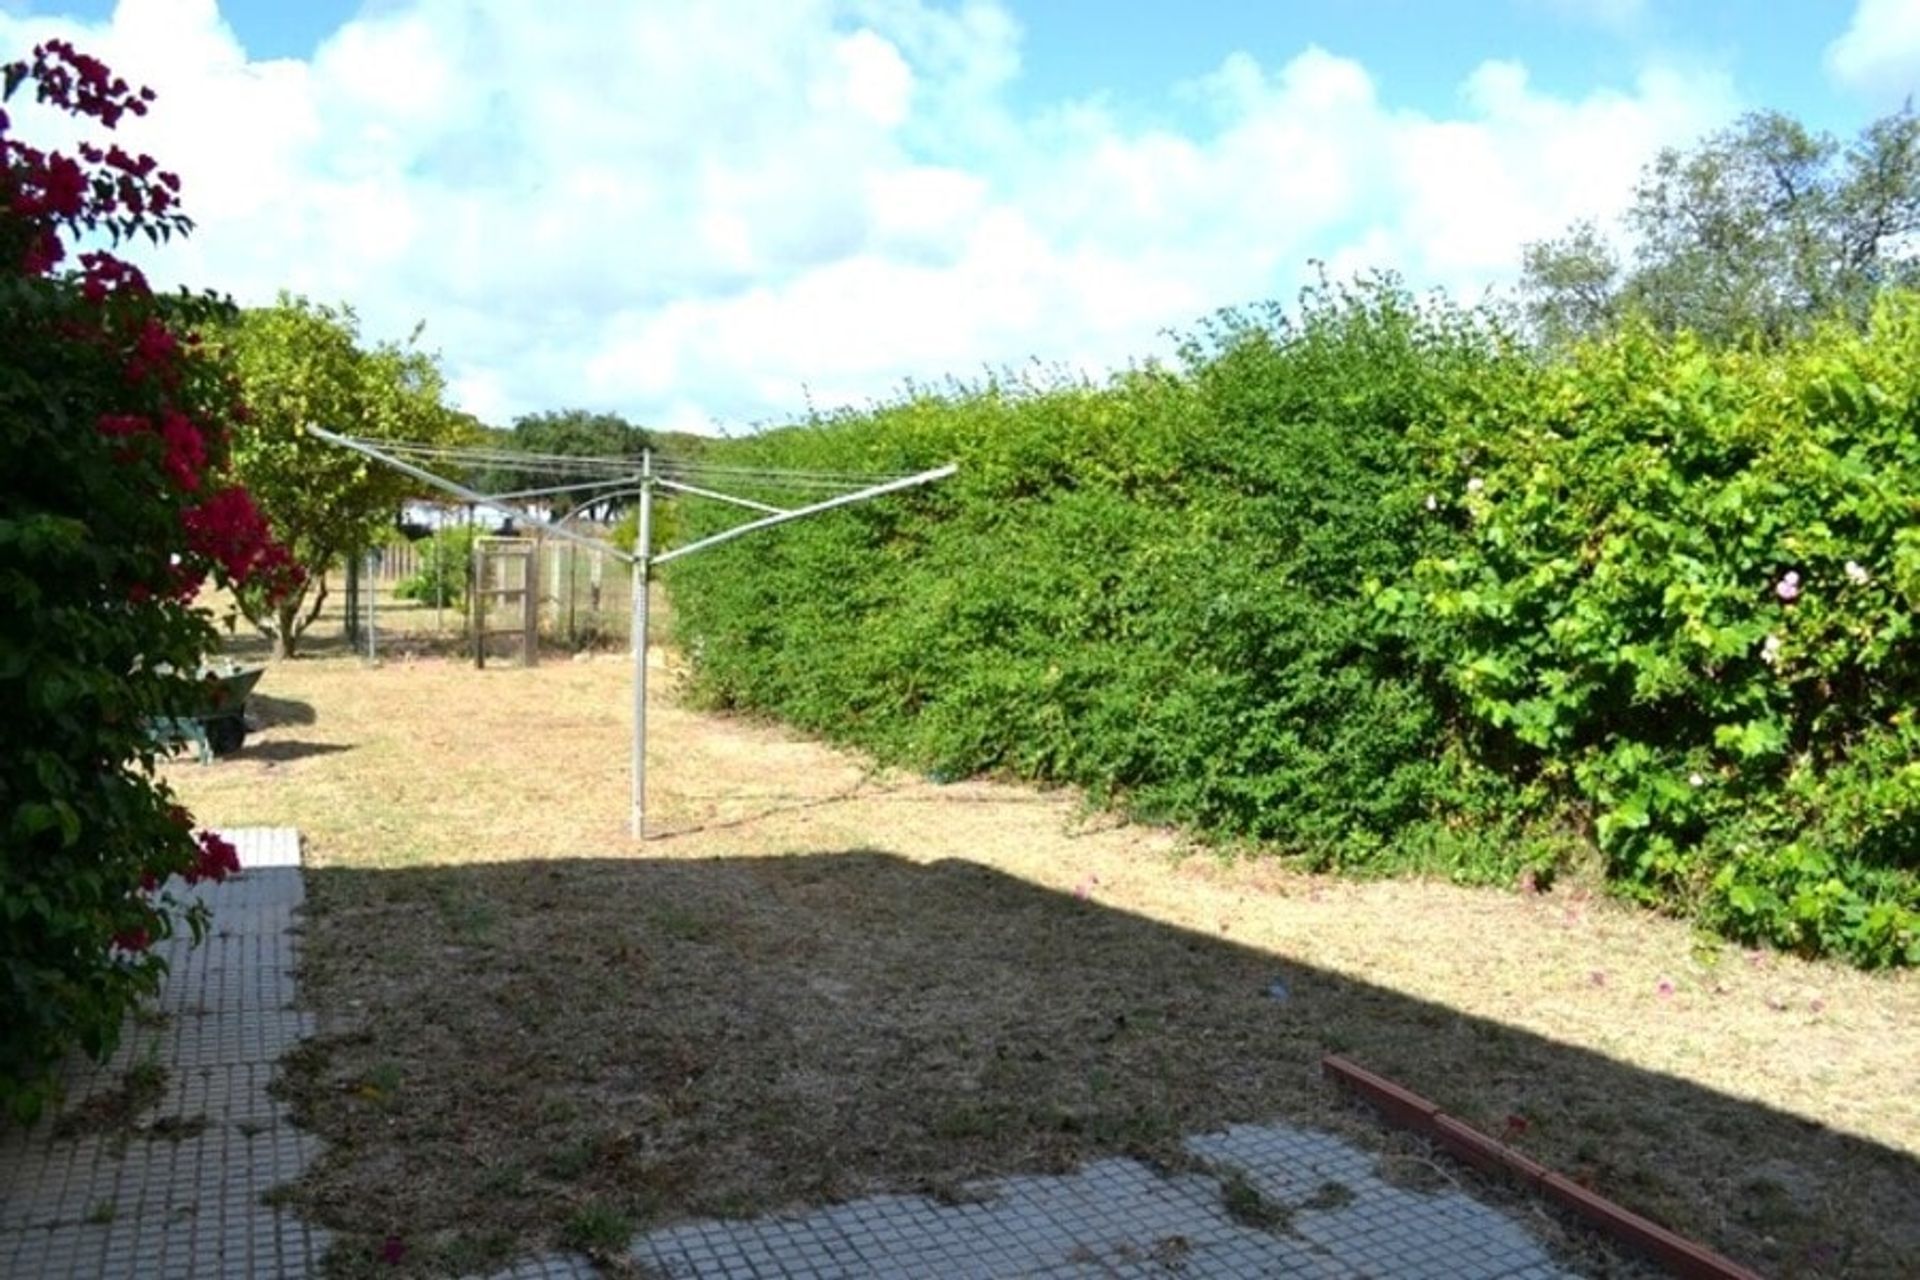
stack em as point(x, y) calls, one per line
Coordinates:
point(1375, 586)
point(1154, 590)
point(1684, 587)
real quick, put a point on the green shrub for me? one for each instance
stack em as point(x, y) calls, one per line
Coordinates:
point(446, 565)
point(1154, 589)
point(1369, 586)
point(666, 525)
point(1682, 584)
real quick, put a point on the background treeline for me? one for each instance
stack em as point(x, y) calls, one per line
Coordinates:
point(1388, 585)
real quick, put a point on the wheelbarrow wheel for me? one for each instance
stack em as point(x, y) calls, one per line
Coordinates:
point(226, 734)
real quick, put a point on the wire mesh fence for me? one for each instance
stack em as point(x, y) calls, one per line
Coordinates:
point(419, 595)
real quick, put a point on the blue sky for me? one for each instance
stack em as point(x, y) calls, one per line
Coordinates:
point(701, 213)
point(1136, 53)
point(1420, 52)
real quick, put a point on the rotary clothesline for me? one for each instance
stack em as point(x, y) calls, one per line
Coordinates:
point(412, 458)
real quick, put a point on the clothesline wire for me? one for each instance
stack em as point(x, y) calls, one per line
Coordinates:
point(716, 468)
point(609, 469)
point(508, 459)
point(439, 450)
point(726, 483)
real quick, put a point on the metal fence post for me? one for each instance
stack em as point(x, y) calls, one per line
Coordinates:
point(350, 607)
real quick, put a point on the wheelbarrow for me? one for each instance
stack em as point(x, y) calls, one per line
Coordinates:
point(218, 727)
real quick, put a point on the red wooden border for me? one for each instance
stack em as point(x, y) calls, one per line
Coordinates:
point(1411, 1111)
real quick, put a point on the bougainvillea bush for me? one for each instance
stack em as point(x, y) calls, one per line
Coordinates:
point(114, 510)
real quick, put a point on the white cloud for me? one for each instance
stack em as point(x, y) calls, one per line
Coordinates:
point(870, 76)
point(1879, 53)
point(696, 212)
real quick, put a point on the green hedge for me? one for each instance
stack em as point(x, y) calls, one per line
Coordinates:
point(1684, 585)
point(1372, 586)
point(1153, 589)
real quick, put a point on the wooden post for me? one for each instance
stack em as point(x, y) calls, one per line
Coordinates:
point(530, 619)
point(477, 600)
point(374, 558)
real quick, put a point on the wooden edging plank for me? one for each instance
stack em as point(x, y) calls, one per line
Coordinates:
point(1411, 1111)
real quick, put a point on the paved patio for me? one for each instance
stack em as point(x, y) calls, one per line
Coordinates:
point(1329, 1217)
point(180, 1194)
point(175, 1198)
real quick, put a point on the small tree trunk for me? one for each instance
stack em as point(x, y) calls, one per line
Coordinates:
point(286, 616)
point(288, 623)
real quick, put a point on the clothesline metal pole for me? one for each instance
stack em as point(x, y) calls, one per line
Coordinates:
point(642, 581)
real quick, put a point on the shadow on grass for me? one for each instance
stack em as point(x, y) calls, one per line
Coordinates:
point(284, 750)
point(267, 711)
point(756, 807)
point(734, 1036)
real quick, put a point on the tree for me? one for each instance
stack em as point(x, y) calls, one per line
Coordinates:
point(115, 506)
point(1756, 232)
point(299, 363)
point(573, 433)
point(1572, 284)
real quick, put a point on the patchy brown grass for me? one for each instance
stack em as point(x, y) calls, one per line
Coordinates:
point(823, 980)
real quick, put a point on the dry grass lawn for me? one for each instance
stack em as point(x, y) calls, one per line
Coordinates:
point(820, 981)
